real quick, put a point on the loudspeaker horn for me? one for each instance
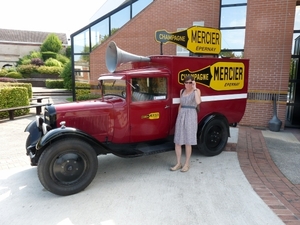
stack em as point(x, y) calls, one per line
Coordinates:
point(115, 57)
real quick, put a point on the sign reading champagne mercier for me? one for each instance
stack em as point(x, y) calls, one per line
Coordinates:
point(195, 39)
point(221, 76)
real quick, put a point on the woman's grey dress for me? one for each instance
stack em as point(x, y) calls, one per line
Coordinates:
point(186, 122)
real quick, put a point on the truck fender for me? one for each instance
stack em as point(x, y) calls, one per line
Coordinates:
point(204, 122)
point(61, 133)
point(34, 133)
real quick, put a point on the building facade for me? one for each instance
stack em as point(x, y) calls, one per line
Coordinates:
point(268, 41)
point(15, 44)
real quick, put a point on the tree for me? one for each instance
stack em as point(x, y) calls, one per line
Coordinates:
point(225, 53)
point(51, 44)
point(67, 75)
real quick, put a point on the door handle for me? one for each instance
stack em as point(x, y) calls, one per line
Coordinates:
point(167, 106)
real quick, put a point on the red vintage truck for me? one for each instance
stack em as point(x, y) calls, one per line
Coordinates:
point(135, 115)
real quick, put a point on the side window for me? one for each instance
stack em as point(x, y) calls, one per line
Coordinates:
point(149, 89)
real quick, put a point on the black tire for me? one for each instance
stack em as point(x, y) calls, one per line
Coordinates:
point(67, 166)
point(214, 137)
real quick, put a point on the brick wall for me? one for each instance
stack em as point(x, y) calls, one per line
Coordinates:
point(137, 36)
point(268, 43)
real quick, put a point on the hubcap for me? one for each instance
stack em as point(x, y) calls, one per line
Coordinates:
point(214, 137)
point(68, 167)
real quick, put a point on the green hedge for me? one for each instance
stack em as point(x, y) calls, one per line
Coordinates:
point(3, 72)
point(15, 75)
point(50, 70)
point(48, 55)
point(83, 92)
point(26, 70)
point(53, 62)
point(13, 97)
point(28, 86)
point(54, 83)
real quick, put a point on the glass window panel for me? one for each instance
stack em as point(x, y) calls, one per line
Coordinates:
point(99, 32)
point(233, 16)
point(293, 50)
point(81, 63)
point(226, 2)
point(81, 42)
point(139, 6)
point(149, 88)
point(297, 18)
point(120, 18)
point(233, 39)
point(83, 60)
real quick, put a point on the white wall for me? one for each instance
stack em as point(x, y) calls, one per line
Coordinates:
point(10, 53)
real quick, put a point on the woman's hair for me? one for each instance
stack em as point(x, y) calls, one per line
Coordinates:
point(189, 77)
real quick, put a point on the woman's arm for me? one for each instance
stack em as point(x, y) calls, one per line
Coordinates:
point(181, 91)
point(197, 93)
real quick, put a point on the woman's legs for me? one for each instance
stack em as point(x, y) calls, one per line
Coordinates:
point(178, 152)
point(188, 153)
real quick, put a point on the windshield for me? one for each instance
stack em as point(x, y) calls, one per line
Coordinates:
point(113, 87)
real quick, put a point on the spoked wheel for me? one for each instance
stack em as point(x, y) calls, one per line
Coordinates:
point(67, 166)
point(214, 137)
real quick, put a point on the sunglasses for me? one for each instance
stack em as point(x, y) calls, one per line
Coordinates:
point(188, 82)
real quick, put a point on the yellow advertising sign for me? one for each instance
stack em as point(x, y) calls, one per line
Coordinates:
point(220, 76)
point(195, 39)
point(151, 116)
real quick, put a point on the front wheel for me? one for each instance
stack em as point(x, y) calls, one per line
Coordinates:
point(213, 138)
point(67, 167)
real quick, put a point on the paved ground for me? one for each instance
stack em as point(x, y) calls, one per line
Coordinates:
point(246, 184)
point(255, 157)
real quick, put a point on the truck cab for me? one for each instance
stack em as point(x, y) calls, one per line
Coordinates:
point(135, 115)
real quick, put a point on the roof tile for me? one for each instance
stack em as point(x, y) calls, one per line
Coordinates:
point(24, 36)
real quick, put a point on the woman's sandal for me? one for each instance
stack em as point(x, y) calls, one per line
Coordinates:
point(176, 167)
point(185, 168)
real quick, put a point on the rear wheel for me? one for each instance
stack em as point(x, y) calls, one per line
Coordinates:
point(67, 167)
point(214, 137)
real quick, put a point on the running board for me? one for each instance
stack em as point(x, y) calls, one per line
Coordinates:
point(157, 148)
point(140, 149)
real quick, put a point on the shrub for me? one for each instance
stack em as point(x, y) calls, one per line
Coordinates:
point(3, 72)
point(25, 61)
point(49, 70)
point(11, 69)
point(82, 90)
point(48, 55)
point(63, 59)
point(67, 75)
point(13, 97)
point(28, 86)
point(37, 62)
point(15, 75)
point(27, 69)
point(35, 54)
point(53, 62)
point(87, 97)
point(54, 83)
point(68, 51)
point(51, 44)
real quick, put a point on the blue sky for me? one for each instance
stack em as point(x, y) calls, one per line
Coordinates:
point(61, 16)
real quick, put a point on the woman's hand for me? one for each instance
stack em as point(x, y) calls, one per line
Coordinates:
point(194, 85)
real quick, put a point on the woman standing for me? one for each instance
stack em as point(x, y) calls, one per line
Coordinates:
point(186, 123)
